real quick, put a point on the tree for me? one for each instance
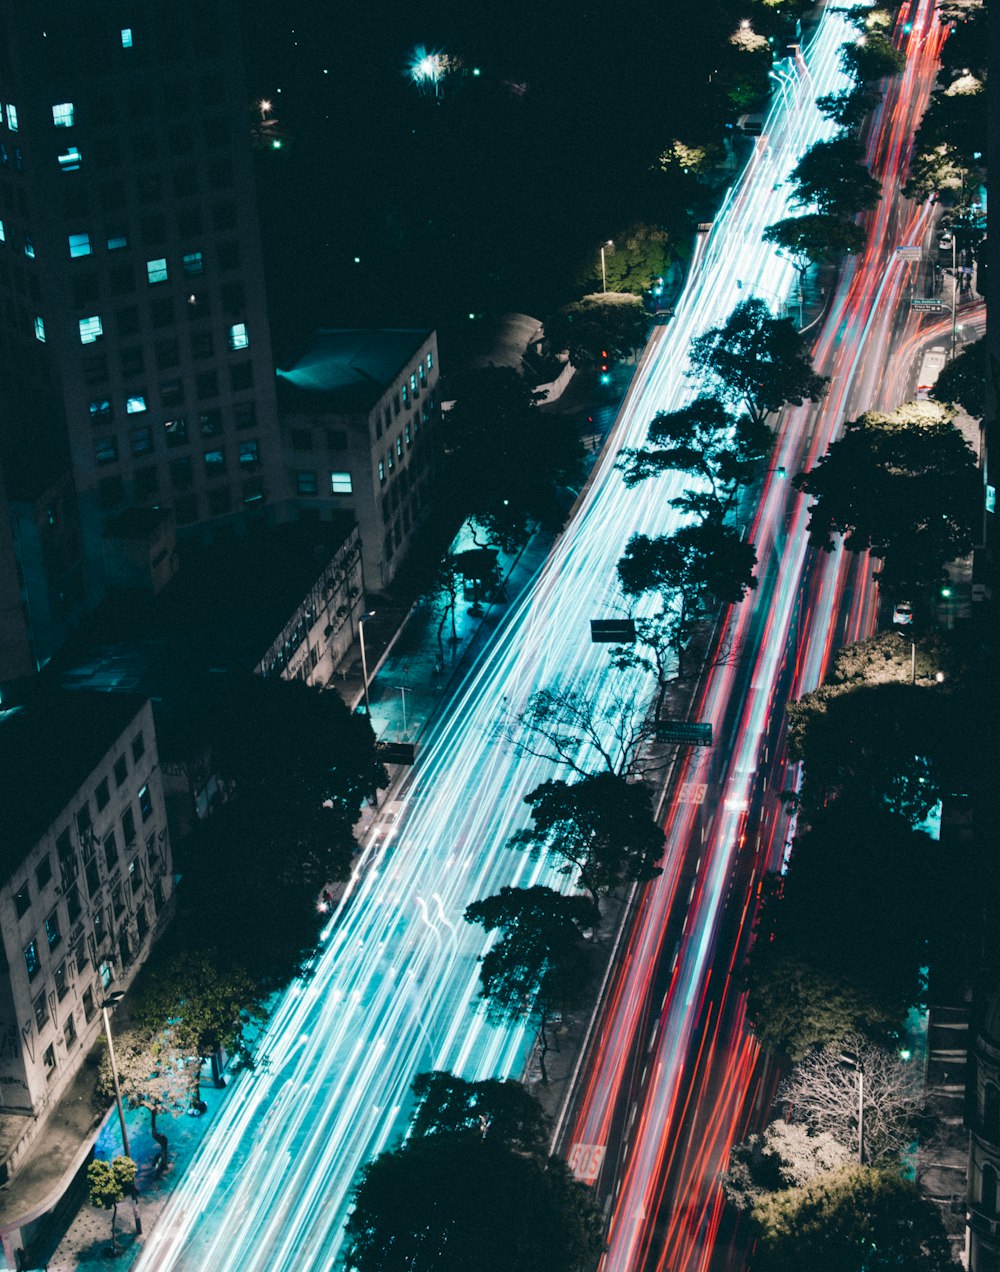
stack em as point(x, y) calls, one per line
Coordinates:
point(937, 169)
point(832, 177)
point(848, 1219)
point(699, 561)
point(569, 727)
point(786, 1155)
point(963, 380)
point(821, 1095)
point(469, 1203)
point(108, 1184)
point(508, 460)
point(850, 108)
point(615, 324)
point(814, 238)
point(871, 59)
point(702, 439)
point(758, 361)
point(639, 254)
point(902, 485)
point(156, 1072)
point(501, 1109)
point(540, 963)
point(601, 827)
point(208, 1002)
point(447, 586)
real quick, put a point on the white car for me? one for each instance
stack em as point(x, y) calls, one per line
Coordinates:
point(903, 613)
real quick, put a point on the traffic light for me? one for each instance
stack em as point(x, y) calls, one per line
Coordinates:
point(605, 366)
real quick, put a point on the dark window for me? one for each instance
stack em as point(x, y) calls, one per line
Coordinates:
point(132, 361)
point(175, 431)
point(62, 984)
point(149, 188)
point(162, 312)
point(249, 455)
point(22, 901)
point(128, 320)
point(69, 1031)
point(43, 873)
point(207, 384)
point(210, 423)
point(141, 922)
point(189, 221)
point(52, 932)
point(241, 377)
point(989, 1190)
point(117, 904)
point(224, 218)
point(93, 876)
point(105, 450)
point(41, 1006)
point(167, 353)
point(245, 415)
point(301, 439)
point(220, 501)
point(171, 393)
point(336, 439)
point(95, 369)
point(85, 290)
point(121, 770)
point(49, 1060)
point(141, 440)
point(181, 473)
point(102, 794)
point(991, 1111)
point(147, 482)
point(138, 748)
point(202, 344)
point(100, 925)
point(122, 279)
point(233, 298)
point(306, 483)
point(229, 255)
point(73, 903)
point(89, 1007)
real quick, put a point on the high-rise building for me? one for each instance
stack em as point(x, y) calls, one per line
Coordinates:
point(133, 323)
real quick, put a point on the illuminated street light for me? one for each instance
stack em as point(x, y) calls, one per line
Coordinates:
point(604, 272)
point(111, 1001)
point(855, 1062)
point(364, 661)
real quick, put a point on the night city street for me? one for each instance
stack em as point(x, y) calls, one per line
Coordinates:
point(498, 665)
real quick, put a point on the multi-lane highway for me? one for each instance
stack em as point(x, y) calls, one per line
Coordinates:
point(674, 1077)
point(395, 990)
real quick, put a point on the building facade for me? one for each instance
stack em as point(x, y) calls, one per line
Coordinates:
point(87, 877)
point(135, 321)
point(359, 415)
point(984, 1157)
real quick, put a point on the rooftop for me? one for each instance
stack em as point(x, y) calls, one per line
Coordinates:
point(346, 370)
point(49, 745)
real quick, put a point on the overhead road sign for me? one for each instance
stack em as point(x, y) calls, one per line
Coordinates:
point(612, 631)
point(395, 752)
point(683, 733)
point(909, 252)
point(929, 304)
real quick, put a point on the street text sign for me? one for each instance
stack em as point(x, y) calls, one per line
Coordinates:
point(683, 733)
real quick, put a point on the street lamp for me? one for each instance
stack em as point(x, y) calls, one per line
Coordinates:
point(604, 272)
point(364, 661)
point(855, 1062)
point(111, 1001)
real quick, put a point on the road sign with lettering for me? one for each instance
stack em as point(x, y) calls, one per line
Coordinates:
point(684, 734)
point(909, 252)
point(585, 1161)
point(612, 631)
point(930, 304)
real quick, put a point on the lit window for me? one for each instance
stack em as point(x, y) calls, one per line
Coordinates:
point(11, 117)
point(430, 361)
point(305, 482)
point(413, 383)
point(193, 263)
point(406, 434)
point(145, 804)
point(135, 405)
point(176, 431)
point(100, 411)
point(31, 960)
point(141, 440)
point(117, 241)
point(29, 247)
point(63, 115)
point(3, 233)
point(238, 338)
point(126, 37)
point(406, 395)
point(215, 462)
point(340, 484)
point(69, 160)
point(381, 470)
point(249, 454)
point(423, 375)
point(79, 245)
point(52, 932)
point(399, 448)
point(156, 271)
point(90, 330)
point(105, 450)
point(40, 329)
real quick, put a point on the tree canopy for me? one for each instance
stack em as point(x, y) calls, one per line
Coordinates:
point(871, 59)
point(814, 238)
point(501, 1109)
point(963, 380)
point(702, 439)
point(508, 460)
point(700, 562)
point(851, 1218)
point(108, 1184)
point(638, 255)
point(850, 108)
point(758, 362)
point(832, 177)
point(615, 324)
point(902, 485)
point(156, 1072)
point(601, 828)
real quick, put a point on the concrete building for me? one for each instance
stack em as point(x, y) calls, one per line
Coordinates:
point(984, 1156)
point(359, 413)
point(134, 327)
point(86, 877)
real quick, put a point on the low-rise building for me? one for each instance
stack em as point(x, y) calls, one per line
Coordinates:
point(86, 871)
point(358, 413)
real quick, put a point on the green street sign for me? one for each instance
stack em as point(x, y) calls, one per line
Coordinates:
point(684, 734)
point(929, 303)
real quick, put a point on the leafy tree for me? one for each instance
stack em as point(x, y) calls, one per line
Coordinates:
point(786, 1155)
point(540, 963)
point(902, 485)
point(963, 380)
point(447, 585)
point(601, 827)
point(848, 1219)
point(814, 238)
point(108, 1184)
point(638, 255)
point(700, 560)
point(207, 1001)
point(704, 440)
point(501, 1109)
point(871, 59)
point(507, 459)
point(156, 1072)
point(849, 109)
point(758, 361)
point(469, 1203)
point(821, 1094)
point(832, 177)
point(615, 324)
point(937, 169)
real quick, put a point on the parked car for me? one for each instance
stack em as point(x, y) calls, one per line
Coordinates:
point(903, 613)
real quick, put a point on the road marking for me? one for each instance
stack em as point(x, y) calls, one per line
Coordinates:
point(585, 1161)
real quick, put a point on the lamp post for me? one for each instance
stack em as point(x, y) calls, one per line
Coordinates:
point(954, 295)
point(364, 660)
point(857, 1064)
point(112, 1000)
point(604, 271)
point(404, 690)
